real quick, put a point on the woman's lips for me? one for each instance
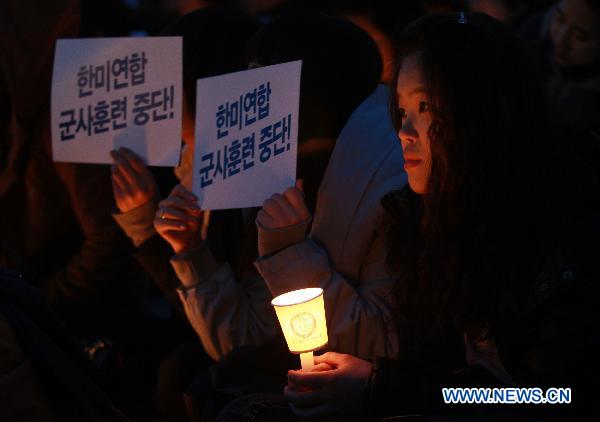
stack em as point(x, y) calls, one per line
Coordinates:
point(410, 163)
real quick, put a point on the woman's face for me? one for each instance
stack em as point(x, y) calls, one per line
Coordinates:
point(575, 33)
point(415, 115)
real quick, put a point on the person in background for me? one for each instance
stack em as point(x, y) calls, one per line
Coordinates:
point(214, 42)
point(568, 40)
point(227, 311)
point(56, 227)
point(55, 222)
point(134, 186)
point(511, 12)
point(567, 36)
point(44, 374)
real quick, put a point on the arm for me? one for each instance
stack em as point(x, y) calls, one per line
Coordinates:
point(359, 313)
point(223, 311)
point(136, 196)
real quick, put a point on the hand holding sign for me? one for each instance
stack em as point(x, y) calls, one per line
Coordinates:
point(179, 220)
point(284, 210)
point(133, 184)
point(246, 136)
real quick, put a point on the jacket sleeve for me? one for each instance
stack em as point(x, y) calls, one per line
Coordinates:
point(138, 222)
point(359, 313)
point(224, 312)
point(153, 255)
point(152, 252)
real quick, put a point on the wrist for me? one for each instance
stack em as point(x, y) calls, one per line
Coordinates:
point(194, 266)
point(271, 241)
point(187, 247)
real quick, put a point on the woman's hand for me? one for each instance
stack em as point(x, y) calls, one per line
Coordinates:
point(284, 210)
point(325, 394)
point(133, 184)
point(179, 220)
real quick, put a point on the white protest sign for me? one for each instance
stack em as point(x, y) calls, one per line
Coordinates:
point(246, 136)
point(117, 92)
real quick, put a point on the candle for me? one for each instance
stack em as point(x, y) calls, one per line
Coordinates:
point(301, 314)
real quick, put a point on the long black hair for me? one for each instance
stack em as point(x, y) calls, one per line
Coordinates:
point(464, 252)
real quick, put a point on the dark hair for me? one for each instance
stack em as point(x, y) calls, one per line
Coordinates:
point(463, 252)
point(214, 43)
point(341, 66)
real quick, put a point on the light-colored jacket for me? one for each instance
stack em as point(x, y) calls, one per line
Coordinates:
point(344, 254)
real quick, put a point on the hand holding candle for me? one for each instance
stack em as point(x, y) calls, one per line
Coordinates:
point(329, 394)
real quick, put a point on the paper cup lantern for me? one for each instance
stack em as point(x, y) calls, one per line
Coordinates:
point(301, 314)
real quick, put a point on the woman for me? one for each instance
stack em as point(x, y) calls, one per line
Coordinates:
point(493, 287)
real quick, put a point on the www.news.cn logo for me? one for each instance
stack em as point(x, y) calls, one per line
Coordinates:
point(506, 396)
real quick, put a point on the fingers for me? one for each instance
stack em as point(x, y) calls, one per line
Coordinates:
point(133, 169)
point(279, 210)
point(300, 185)
point(164, 225)
point(120, 183)
point(322, 367)
point(265, 220)
point(295, 198)
point(124, 168)
point(330, 358)
point(128, 173)
point(182, 199)
point(310, 380)
point(177, 203)
point(134, 160)
point(181, 192)
point(176, 215)
point(282, 212)
point(286, 209)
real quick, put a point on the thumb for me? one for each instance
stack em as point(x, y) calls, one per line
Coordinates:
point(300, 185)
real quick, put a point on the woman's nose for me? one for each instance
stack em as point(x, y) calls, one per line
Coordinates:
point(407, 132)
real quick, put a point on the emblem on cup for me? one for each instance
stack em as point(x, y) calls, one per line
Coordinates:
point(303, 324)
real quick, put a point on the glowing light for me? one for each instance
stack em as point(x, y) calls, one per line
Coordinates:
point(301, 314)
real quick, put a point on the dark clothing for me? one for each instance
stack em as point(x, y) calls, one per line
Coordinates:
point(557, 345)
point(238, 377)
point(67, 378)
point(574, 94)
point(55, 222)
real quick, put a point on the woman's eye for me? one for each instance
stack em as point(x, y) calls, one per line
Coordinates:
point(399, 117)
point(401, 113)
point(423, 107)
